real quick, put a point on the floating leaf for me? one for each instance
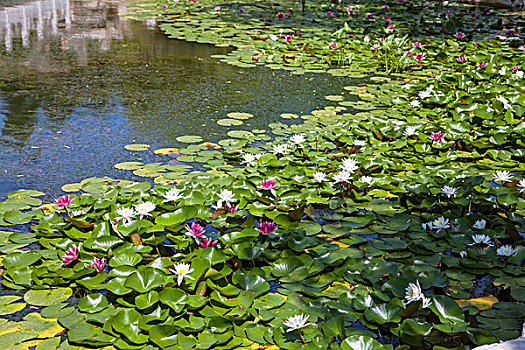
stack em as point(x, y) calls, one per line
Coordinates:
point(129, 165)
point(137, 147)
point(46, 297)
point(229, 122)
point(483, 303)
point(189, 139)
point(240, 115)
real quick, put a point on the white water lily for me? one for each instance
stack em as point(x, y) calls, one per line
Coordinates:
point(126, 215)
point(77, 213)
point(410, 130)
point(449, 191)
point(426, 93)
point(172, 195)
point(413, 292)
point(439, 224)
point(426, 302)
point(248, 159)
point(502, 70)
point(145, 208)
point(502, 175)
point(349, 165)
point(182, 270)
point(296, 322)
point(480, 224)
point(342, 177)
point(319, 176)
point(522, 185)
point(519, 74)
point(359, 142)
point(298, 139)
point(463, 254)
point(280, 149)
point(481, 239)
point(506, 250)
point(273, 37)
point(367, 179)
point(225, 196)
point(504, 101)
point(415, 104)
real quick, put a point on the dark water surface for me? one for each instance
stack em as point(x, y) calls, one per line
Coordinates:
point(78, 82)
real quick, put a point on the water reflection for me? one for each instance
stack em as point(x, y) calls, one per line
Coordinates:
point(78, 82)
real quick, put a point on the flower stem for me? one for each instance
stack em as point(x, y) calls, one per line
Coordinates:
point(304, 342)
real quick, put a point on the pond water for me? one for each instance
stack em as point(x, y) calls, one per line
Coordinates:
point(78, 82)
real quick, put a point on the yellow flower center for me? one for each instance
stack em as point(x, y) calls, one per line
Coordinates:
point(181, 271)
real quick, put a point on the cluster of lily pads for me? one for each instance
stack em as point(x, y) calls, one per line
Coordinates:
point(395, 221)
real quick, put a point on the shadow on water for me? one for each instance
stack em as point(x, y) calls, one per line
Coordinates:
point(78, 82)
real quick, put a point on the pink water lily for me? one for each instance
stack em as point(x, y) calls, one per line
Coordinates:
point(417, 44)
point(64, 201)
point(333, 45)
point(232, 209)
point(386, 18)
point(269, 184)
point(329, 13)
point(267, 228)
point(459, 35)
point(482, 65)
point(288, 38)
point(98, 264)
point(392, 26)
point(70, 255)
point(437, 137)
point(376, 47)
point(516, 67)
point(419, 56)
point(217, 8)
point(280, 15)
point(461, 59)
point(195, 230)
point(207, 242)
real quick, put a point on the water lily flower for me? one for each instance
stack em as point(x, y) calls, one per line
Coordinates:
point(280, 149)
point(459, 35)
point(269, 184)
point(370, 15)
point(172, 195)
point(506, 250)
point(479, 224)
point(144, 209)
point(77, 213)
point(207, 242)
point(449, 191)
point(367, 179)
point(296, 322)
point(255, 58)
point(516, 67)
point(288, 38)
point(280, 15)
point(461, 59)
point(232, 209)
point(439, 224)
point(329, 13)
point(481, 239)
point(349, 165)
point(290, 11)
point(359, 142)
point(195, 230)
point(70, 254)
point(482, 65)
point(519, 74)
point(502, 71)
point(64, 201)
point(182, 270)
point(342, 177)
point(241, 10)
point(126, 215)
point(249, 159)
point(385, 6)
point(426, 302)
point(463, 254)
point(225, 196)
point(376, 47)
point(299, 139)
point(419, 56)
point(413, 292)
point(267, 228)
point(217, 8)
point(417, 44)
point(386, 18)
point(410, 130)
point(415, 104)
point(502, 175)
point(391, 26)
point(426, 93)
point(522, 185)
point(349, 9)
point(522, 48)
point(333, 45)
point(98, 264)
point(437, 137)
point(319, 176)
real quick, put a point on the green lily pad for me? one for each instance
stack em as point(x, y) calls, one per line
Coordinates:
point(229, 122)
point(137, 147)
point(189, 139)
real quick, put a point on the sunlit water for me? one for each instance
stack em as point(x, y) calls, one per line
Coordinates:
point(78, 82)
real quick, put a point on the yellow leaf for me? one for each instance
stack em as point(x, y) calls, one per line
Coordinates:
point(483, 303)
point(503, 215)
point(166, 151)
point(10, 327)
point(45, 327)
point(264, 346)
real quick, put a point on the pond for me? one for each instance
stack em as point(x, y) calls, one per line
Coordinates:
point(78, 82)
